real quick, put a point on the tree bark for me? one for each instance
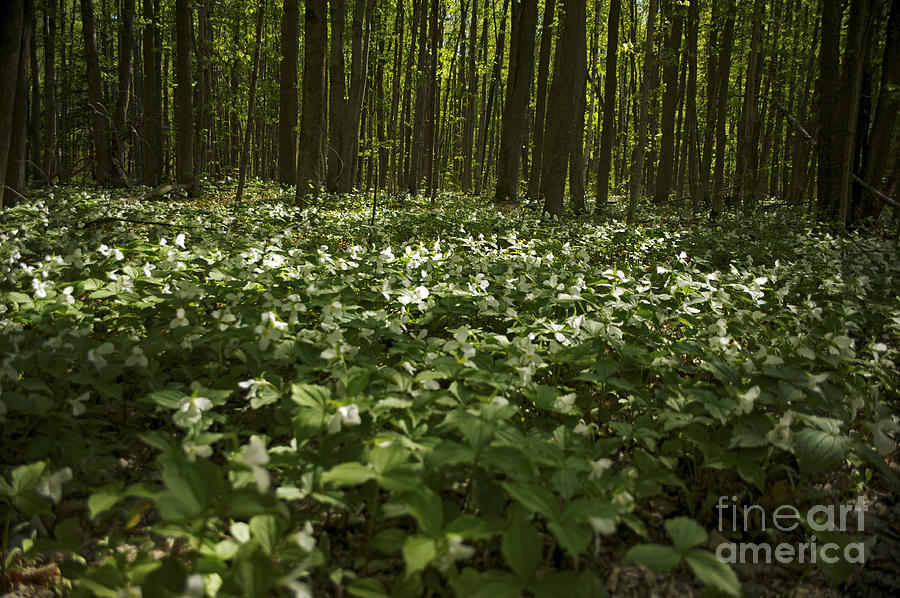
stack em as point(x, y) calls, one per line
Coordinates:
point(103, 173)
point(637, 169)
point(311, 161)
point(251, 105)
point(607, 136)
point(877, 165)
point(16, 160)
point(287, 94)
point(747, 161)
point(470, 92)
point(184, 102)
point(153, 137)
point(126, 55)
point(723, 74)
point(563, 96)
point(540, 106)
point(518, 86)
point(47, 164)
point(669, 102)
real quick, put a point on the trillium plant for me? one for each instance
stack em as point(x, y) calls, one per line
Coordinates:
point(252, 399)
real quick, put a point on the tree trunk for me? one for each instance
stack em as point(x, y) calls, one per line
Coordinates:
point(693, 133)
point(287, 94)
point(637, 170)
point(576, 155)
point(311, 161)
point(607, 136)
point(417, 145)
point(877, 165)
point(564, 97)
point(663, 185)
point(518, 87)
point(100, 117)
point(251, 105)
point(184, 102)
point(723, 73)
point(126, 54)
point(481, 149)
point(153, 137)
point(16, 160)
point(747, 162)
point(50, 133)
point(534, 181)
point(471, 90)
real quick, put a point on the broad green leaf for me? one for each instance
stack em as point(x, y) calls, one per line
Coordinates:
point(534, 498)
point(522, 548)
point(711, 571)
point(348, 474)
point(655, 556)
point(817, 450)
point(418, 551)
point(685, 533)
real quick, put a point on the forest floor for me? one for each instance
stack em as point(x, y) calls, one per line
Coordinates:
point(441, 398)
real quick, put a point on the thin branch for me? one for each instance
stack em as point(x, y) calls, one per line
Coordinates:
point(877, 193)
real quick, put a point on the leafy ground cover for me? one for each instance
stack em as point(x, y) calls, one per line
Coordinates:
point(452, 398)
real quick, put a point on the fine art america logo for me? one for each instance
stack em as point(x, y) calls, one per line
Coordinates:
point(787, 518)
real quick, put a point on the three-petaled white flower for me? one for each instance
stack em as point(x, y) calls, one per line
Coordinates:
point(77, 404)
point(179, 320)
point(598, 467)
point(254, 455)
point(95, 355)
point(458, 343)
point(194, 407)
point(193, 451)
point(51, 485)
point(305, 539)
point(137, 358)
point(347, 415)
point(456, 551)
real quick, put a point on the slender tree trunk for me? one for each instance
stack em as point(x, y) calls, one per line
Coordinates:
point(576, 156)
point(637, 170)
point(184, 102)
point(747, 161)
point(100, 116)
point(693, 133)
point(723, 74)
point(607, 136)
point(417, 145)
point(16, 161)
point(34, 119)
point(49, 90)
point(126, 54)
point(287, 94)
point(391, 175)
point(470, 93)
point(349, 121)
point(311, 161)
point(877, 165)
point(251, 105)
point(564, 97)
point(663, 186)
point(534, 182)
point(518, 86)
point(483, 139)
point(153, 136)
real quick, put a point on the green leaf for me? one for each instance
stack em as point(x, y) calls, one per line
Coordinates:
point(711, 571)
point(103, 500)
point(655, 556)
point(26, 477)
point(348, 474)
point(367, 587)
point(534, 498)
point(418, 551)
point(425, 506)
point(310, 395)
point(265, 530)
point(685, 533)
point(817, 450)
point(574, 538)
point(522, 547)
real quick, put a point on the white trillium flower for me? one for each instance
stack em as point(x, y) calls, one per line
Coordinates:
point(746, 400)
point(77, 404)
point(194, 586)
point(305, 539)
point(137, 358)
point(254, 455)
point(95, 356)
point(456, 551)
point(179, 240)
point(179, 320)
point(192, 451)
point(347, 415)
point(50, 486)
point(566, 401)
point(194, 407)
point(598, 467)
point(67, 295)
